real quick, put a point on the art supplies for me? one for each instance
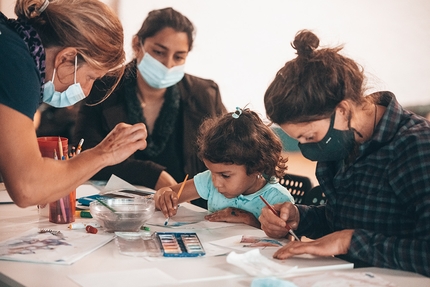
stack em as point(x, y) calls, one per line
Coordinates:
point(123, 193)
point(277, 214)
point(178, 244)
point(63, 210)
point(179, 195)
point(167, 244)
point(51, 246)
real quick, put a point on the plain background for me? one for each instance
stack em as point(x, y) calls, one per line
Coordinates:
point(241, 44)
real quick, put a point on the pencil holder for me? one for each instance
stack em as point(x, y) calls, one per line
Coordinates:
point(48, 146)
point(62, 210)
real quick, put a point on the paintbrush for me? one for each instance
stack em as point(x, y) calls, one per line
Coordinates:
point(179, 195)
point(277, 214)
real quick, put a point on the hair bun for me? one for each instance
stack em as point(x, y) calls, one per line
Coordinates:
point(305, 43)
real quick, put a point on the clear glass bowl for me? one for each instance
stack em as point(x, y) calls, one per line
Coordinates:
point(124, 214)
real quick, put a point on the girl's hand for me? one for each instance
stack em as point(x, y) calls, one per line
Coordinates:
point(233, 215)
point(275, 226)
point(332, 244)
point(166, 200)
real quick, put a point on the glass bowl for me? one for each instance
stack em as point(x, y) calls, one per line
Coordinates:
point(122, 214)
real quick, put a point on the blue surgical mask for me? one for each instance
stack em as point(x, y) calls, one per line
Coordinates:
point(157, 75)
point(69, 97)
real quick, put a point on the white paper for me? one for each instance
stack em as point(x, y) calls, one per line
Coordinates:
point(256, 264)
point(86, 190)
point(129, 278)
point(65, 248)
point(4, 195)
point(340, 279)
point(186, 218)
point(244, 242)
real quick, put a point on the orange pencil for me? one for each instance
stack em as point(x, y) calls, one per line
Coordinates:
point(277, 214)
point(182, 186)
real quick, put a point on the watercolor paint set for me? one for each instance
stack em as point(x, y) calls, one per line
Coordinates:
point(178, 244)
point(167, 244)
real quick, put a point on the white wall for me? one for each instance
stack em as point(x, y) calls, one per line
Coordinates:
point(241, 44)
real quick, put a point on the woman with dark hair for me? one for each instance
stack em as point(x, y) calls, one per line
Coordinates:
point(155, 91)
point(373, 163)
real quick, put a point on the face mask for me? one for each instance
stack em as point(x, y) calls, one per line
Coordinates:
point(157, 75)
point(69, 97)
point(336, 145)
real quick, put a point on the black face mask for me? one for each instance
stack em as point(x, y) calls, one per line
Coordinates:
point(336, 145)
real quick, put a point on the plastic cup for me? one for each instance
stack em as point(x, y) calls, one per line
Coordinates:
point(48, 146)
point(63, 210)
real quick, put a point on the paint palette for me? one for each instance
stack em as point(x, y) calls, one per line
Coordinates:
point(177, 244)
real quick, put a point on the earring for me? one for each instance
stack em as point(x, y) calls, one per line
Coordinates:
point(259, 176)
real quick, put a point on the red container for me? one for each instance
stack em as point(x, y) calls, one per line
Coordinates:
point(62, 210)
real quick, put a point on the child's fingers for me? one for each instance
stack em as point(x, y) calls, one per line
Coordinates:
point(168, 203)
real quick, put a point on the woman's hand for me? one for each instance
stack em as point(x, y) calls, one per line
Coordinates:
point(275, 226)
point(233, 215)
point(123, 141)
point(166, 200)
point(335, 243)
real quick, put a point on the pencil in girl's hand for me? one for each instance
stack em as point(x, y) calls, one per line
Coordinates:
point(182, 186)
point(277, 214)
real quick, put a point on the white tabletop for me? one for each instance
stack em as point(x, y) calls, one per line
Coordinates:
point(107, 261)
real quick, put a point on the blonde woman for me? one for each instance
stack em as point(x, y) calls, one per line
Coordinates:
point(53, 52)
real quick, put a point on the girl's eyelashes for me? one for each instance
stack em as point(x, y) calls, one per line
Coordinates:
point(225, 175)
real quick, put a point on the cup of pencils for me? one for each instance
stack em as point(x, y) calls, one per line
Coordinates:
point(62, 210)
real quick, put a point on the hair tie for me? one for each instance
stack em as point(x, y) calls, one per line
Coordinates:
point(273, 179)
point(237, 113)
point(43, 7)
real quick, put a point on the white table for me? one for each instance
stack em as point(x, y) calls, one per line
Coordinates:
point(207, 271)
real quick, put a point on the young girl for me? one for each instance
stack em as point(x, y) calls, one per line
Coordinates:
point(243, 157)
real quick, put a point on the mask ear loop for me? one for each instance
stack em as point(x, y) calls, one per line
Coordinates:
point(76, 66)
point(53, 76)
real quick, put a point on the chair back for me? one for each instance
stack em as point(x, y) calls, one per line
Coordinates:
point(297, 185)
point(315, 196)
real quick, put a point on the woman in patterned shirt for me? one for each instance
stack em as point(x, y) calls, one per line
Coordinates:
point(373, 163)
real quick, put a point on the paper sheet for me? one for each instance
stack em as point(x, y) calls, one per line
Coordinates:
point(340, 279)
point(115, 184)
point(186, 219)
point(245, 242)
point(4, 195)
point(129, 278)
point(64, 248)
point(256, 264)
